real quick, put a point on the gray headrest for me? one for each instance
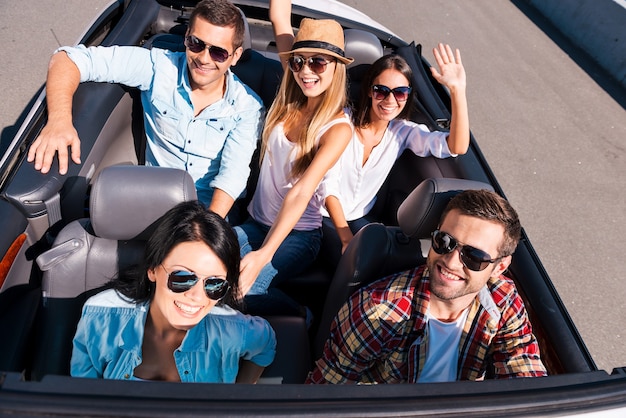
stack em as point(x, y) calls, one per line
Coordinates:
point(247, 39)
point(126, 200)
point(363, 46)
point(418, 215)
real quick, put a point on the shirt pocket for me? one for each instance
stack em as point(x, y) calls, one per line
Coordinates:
point(167, 121)
point(207, 138)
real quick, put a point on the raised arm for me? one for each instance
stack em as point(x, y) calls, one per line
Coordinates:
point(452, 75)
point(280, 16)
point(59, 133)
point(332, 144)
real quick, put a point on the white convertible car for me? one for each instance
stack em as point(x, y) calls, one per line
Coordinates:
point(59, 246)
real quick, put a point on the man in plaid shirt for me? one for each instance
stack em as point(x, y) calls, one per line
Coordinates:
point(456, 318)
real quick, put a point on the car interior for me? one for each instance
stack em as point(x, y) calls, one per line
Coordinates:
point(77, 231)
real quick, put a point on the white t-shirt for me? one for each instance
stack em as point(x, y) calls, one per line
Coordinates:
point(355, 184)
point(275, 181)
point(443, 349)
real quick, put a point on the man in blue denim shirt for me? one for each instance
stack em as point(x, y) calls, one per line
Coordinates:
point(198, 115)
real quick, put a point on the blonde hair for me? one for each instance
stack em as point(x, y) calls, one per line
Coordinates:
point(291, 98)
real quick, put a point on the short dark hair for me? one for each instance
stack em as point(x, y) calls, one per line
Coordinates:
point(490, 206)
point(185, 222)
point(361, 115)
point(220, 13)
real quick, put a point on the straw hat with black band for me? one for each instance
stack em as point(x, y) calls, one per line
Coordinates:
point(324, 36)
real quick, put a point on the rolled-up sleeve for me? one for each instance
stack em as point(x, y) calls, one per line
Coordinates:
point(128, 65)
point(425, 143)
point(260, 342)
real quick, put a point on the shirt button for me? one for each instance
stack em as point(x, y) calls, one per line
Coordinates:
point(126, 376)
point(186, 371)
point(189, 141)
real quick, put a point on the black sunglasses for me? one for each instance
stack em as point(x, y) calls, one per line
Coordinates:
point(197, 45)
point(316, 64)
point(472, 258)
point(380, 92)
point(180, 281)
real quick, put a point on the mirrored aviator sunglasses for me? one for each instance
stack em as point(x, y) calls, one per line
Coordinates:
point(472, 258)
point(316, 64)
point(197, 45)
point(180, 281)
point(401, 94)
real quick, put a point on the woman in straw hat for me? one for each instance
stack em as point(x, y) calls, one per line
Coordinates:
point(306, 130)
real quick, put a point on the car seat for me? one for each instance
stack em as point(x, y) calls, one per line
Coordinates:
point(377, 250)
point(125, 203)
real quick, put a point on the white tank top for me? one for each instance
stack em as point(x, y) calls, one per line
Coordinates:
point(274, 180)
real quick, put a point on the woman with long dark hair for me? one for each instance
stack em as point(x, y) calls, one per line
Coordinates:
point(172, 317)
point(382, 132)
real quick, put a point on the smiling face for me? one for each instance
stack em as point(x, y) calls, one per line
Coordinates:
point(184, 310)
point(388, 108)
point(451, 283)
point(311, 83)
point(204, 73)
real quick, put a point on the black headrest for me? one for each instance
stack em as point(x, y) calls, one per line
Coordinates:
point(419, 213)
point(126, 199)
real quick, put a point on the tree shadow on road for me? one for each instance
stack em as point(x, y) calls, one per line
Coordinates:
point(601, 76)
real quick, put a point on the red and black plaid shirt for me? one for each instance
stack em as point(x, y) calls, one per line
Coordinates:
point(380, 334)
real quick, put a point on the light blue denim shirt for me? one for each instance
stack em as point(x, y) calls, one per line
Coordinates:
point(109, 336)
point(215, 147)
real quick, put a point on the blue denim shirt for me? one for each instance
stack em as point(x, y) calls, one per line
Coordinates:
point(109, 337)
point(215, 147)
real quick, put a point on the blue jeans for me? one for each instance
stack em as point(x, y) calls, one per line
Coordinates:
point(294, 255)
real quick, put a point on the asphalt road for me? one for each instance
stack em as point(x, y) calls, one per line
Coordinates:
point(551, 125)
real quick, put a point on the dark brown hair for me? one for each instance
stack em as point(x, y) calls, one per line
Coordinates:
point(489, 206)
point(220, 13)
point(185, 222)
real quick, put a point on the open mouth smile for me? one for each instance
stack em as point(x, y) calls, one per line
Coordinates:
point(187, 309)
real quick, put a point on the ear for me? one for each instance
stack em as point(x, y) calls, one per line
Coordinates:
point(236, 55)
point(152, 275)
point(501, 266)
